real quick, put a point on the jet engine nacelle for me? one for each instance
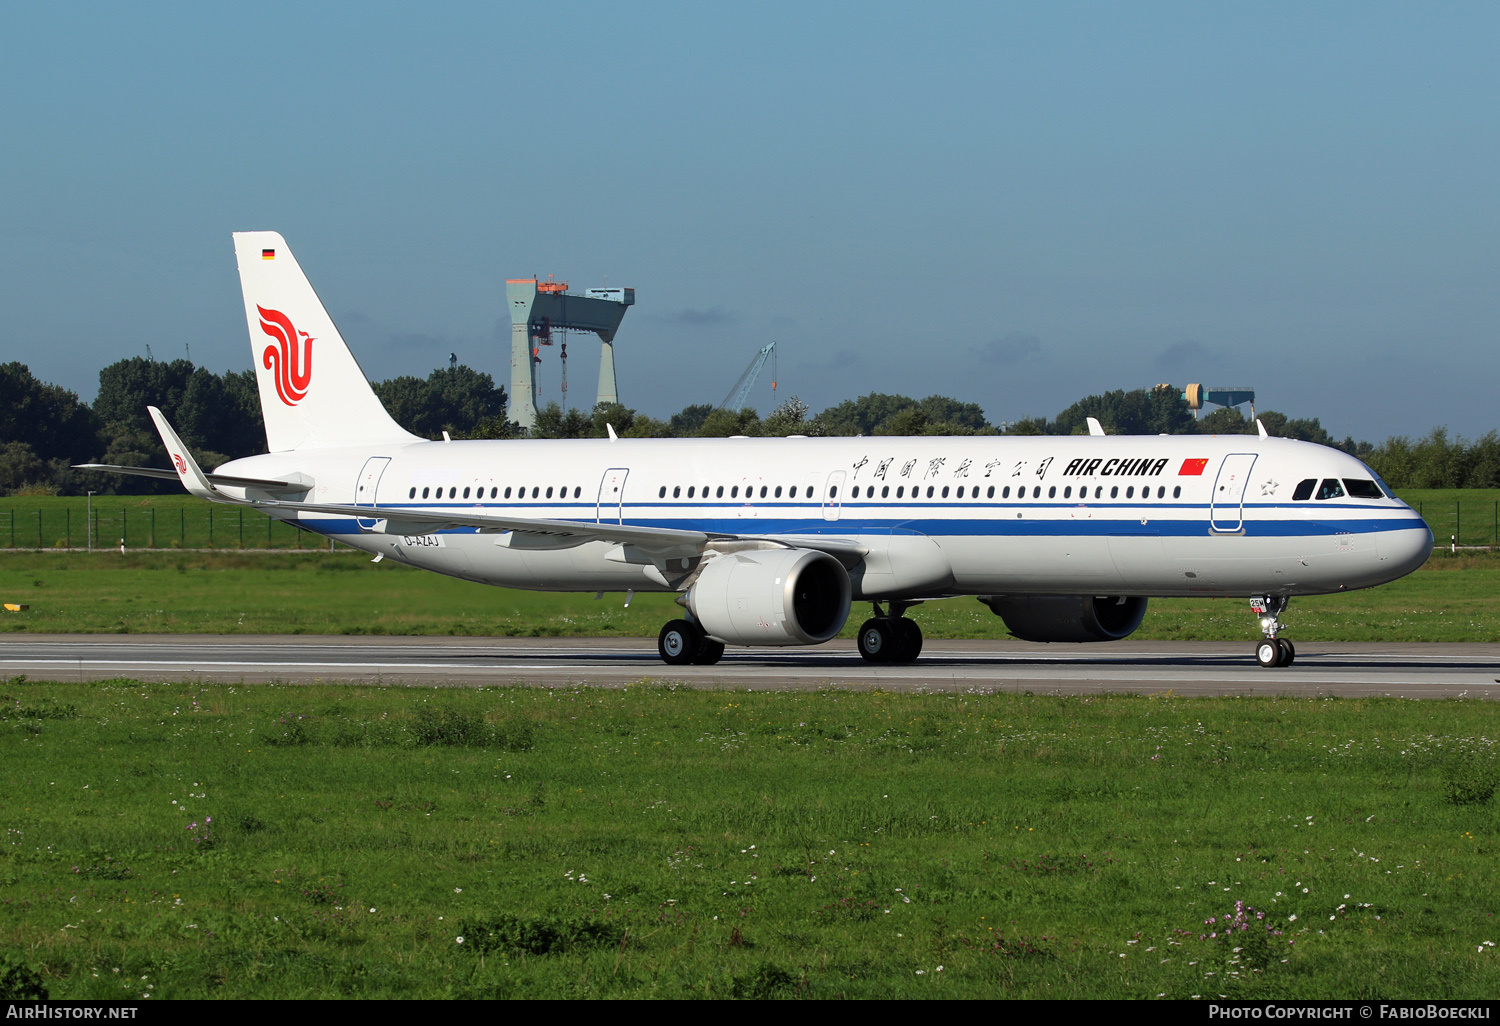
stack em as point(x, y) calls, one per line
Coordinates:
point(1068, 617)
point(771, 597)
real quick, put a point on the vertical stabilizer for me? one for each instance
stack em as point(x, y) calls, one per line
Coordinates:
point(312, 391)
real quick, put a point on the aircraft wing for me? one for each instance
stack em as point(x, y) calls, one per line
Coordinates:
point(418, 521)
point(404, 520)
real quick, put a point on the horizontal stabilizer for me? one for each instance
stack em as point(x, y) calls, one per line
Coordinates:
point(217, 480)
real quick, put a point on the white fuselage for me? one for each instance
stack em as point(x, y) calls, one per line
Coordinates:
point(932, 516)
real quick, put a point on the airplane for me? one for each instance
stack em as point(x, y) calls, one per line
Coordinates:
point(770, 541)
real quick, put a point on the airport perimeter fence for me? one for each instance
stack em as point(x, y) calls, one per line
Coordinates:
point(1472, 524)
point(203, 526)
point(61, 524)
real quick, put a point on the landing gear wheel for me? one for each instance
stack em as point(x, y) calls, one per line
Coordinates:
point(908, 641)
point(1268, 652)
point(709, 652)
point(679, 643)
point(1288, 652)
point(877, 641)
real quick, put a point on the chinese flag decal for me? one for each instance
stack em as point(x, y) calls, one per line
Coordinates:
point(1192, 468)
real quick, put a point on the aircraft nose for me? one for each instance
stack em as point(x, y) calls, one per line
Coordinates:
point(1401, 552)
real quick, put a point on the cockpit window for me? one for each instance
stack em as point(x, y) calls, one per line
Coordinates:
point(1362, 489)
point(1331, 489)
point(1305, 489)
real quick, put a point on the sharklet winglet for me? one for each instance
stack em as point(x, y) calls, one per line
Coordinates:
point(188, 471)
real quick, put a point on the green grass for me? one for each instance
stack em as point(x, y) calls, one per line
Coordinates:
point(665, 842)
point(1453, 598)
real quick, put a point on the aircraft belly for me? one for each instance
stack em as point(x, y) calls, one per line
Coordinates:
point(576, 568)
point(1057, 565)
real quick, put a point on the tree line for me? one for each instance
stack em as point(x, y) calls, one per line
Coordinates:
point(44, 428)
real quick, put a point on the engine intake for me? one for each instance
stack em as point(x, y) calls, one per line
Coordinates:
point(1068, 617)
point(772, 597)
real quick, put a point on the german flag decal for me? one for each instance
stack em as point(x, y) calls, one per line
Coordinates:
point(1192, 468)
point(268, 254)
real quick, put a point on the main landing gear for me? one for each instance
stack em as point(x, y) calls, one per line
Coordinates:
point(683, 643)
point(1271, 650)
point(890, 639)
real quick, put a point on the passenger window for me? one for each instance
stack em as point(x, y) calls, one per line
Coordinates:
point(762, 491)
point(1130, 492)
point(792, 493)
point(1114, 493)
point(929, 491)
point(900, 491)
point(1177, 491)
point(734, 493)
point(549, 491)
point(690, 491)
point(577, 491)
point(466, 493)
point(1052, 492)
point(424, 493)
point(1068, 492)
point(1360, 488)
point(413, 493)
point(1036, 493)
point(677, 492)
point(885, 490)
point(535, 490)
point(1161, 493)
point(720, 492)
point(833, 493)
point(1005, 494)
point(991, 493)
point(662, 494)
point(1331, 489)
point(945, 491)
point(854, 492)
point(1099, 492)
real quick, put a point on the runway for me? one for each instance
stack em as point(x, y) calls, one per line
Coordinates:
point(1139, 667)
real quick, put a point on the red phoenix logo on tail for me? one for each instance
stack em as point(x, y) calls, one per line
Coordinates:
point(180, 463)
point(292, 370)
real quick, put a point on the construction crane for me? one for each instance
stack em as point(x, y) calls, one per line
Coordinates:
point(737, 396)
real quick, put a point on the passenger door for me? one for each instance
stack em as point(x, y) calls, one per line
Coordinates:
point(611, 496)
point(1227, 507)
point(366, 487)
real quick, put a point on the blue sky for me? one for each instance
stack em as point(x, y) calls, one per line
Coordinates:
point(1016, 205)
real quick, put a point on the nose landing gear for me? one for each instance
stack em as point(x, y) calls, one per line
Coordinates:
point(1271, 650)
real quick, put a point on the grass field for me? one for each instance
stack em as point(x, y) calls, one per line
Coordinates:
point(179, 521)
point(1453, 598)
point(193, 841)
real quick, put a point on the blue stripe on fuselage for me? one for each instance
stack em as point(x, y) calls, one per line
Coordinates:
point(1008, 521)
